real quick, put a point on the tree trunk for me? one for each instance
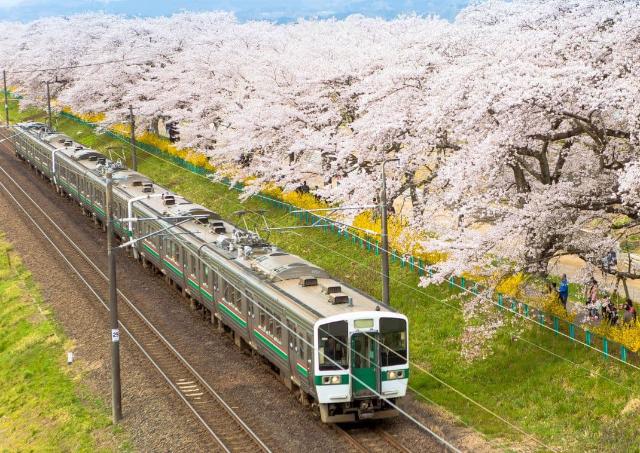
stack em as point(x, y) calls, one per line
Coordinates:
point(520, 179)
point(155, 121)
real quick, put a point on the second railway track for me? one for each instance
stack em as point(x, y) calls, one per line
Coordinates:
point(367, 439)
point(230, 432)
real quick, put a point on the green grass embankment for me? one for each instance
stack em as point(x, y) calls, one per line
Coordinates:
point(569, 398)
point(43, 407)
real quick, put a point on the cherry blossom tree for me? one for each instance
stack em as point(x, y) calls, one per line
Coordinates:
point(516, 125)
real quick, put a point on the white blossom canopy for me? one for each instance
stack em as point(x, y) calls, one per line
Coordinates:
point(522, 117)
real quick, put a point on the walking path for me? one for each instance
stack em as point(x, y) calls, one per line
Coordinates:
point(574, 266)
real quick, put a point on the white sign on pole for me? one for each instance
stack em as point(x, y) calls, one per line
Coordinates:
point(115, 335)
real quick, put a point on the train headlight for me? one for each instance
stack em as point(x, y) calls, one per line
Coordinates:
point(331, 380)
point(395, 374)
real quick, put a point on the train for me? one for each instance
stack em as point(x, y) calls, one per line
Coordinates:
point(337, 348)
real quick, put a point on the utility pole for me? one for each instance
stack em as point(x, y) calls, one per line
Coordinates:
point(49, 102)
point(6, 100)
point(116, 392)
point(385, 236)
point(134, 160)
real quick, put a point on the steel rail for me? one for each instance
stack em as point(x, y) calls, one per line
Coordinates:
point(368, 440)
point(258, 442)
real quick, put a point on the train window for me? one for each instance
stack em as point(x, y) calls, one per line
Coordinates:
point(393, 339)
point(205, 274)
point(249, 299)
point(194, 266)
point(233, 296)
point(263, 319)
point(277, 332)
point(332, 346)
point(302, 347)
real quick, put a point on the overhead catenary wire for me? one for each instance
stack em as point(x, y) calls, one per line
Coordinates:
point(464, 289)
point(410, 417)
point(478, 404)
point(377, 270)
point(139, 59)
point(469, 292)
point(414, 289)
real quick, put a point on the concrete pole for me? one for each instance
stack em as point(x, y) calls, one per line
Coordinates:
point(6, 98)
point(384, 253)
point(134, 160)
point(116, 392)
point(49, 103)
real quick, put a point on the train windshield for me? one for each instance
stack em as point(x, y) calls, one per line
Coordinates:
point(393, 336)
point(332, 346)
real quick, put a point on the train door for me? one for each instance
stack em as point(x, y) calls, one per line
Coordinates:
point(364, 365)
point(292, 336)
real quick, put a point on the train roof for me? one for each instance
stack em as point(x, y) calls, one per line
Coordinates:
point(315, 293)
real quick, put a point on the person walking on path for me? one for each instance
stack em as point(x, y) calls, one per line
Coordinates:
point(563, 291)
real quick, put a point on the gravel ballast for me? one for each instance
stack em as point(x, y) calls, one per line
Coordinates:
point(154, 416)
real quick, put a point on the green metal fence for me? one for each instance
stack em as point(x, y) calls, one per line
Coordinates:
point(571, 331)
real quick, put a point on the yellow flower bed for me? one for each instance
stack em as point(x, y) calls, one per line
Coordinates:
point(627, 336)
point(512, 286)
point(189, 155)
point(91, 117)
point(401, 238)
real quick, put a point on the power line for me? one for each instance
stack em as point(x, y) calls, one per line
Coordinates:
point(440, 380)
point(28, 71)
point(414, 289)
point(410, 417)
point(399, 281)
point(108, 62)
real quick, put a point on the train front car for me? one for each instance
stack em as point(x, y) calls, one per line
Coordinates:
point(362, 365)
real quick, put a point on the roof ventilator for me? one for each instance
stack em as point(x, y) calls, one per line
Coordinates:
point(169, 200)
point(308, 281)
point(331, 289)
point(338, 298)
point(147, 187)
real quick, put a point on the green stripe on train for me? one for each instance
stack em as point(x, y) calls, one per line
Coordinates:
point(150, 250)
point(202, 291)
point(173, 268)
point(241, 322)
point(302, 370)
point(283, 355)
point(195, 286)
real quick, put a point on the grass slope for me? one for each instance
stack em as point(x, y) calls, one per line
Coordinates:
point(42, 408)
point(568, 397)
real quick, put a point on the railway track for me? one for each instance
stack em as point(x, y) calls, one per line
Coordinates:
point(229, 431)
point(367, 439)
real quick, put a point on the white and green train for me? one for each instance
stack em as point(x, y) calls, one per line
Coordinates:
point(333, 345)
